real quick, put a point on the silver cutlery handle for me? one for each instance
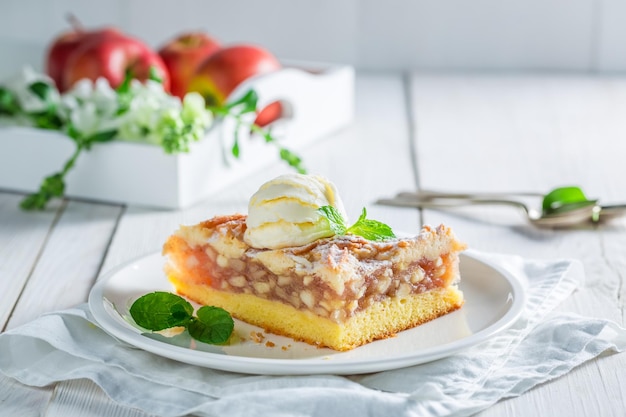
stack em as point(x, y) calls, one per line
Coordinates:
point(431, 194)
point(448, 202)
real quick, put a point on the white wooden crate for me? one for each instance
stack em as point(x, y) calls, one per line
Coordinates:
point(318, 99)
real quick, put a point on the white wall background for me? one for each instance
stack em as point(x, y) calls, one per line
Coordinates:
point(476, 35)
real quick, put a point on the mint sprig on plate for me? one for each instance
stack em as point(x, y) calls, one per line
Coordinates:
point(162, 310)
point(366, 228)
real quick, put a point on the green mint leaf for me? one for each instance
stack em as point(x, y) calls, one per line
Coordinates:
point(154, 75)
point(161, 310)
point(335, 219)
point(370, 229)
point(366, 228)
point(564, 199)
point(213, 325)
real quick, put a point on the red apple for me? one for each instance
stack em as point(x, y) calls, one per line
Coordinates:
point(225, 69)
point(183, 54)
point(111, 57)
point(64, 46)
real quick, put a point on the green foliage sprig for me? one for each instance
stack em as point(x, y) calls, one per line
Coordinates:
point(175, 128)
point(161, 310)
point(366, 228)
point(248, 104)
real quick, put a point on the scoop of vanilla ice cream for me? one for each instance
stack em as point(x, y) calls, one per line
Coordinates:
point(283, 212)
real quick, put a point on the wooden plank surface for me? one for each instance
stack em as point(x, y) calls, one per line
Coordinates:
point(49, 261)
point(369, 159)
point(23, 237)
point(520, 133)
point(20, 400)
point(70, 263)
point(486, 133)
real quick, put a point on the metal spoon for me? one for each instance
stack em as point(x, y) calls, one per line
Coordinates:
point(604, 213)
point(591, 212)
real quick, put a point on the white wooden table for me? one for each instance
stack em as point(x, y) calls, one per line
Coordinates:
point(466, 133)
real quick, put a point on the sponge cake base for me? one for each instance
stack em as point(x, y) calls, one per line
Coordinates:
point(380, 320)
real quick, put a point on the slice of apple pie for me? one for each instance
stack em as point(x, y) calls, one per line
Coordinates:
point(282, 268)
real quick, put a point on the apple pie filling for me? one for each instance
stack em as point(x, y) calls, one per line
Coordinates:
point(333, 279)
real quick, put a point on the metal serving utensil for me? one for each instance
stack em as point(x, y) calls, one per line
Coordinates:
point(587, 213)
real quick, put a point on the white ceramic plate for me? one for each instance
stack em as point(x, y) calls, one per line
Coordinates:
point(494, 299)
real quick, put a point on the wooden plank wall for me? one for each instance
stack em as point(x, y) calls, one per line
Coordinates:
point(477, 35)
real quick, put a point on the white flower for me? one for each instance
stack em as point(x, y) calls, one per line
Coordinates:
point(30, 102)
point(142, 112)
point(194, 111)
point(91, 107)
point(149, 104)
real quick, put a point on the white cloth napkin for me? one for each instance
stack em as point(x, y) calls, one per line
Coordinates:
point(540, 346)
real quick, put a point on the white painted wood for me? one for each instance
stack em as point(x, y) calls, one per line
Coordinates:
point(21, 400)
point(311, 30)
point(23, 236)
point(611, 32)
point(579, 35)
point(373, 156)
point(32, 25)
point(534, 133)
point(541, 131)
point(477, 35)
point(47, 264)
point(70, 263)
point(472, 133)
point(81, 398)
